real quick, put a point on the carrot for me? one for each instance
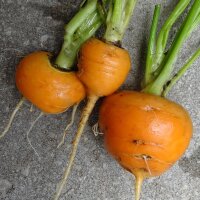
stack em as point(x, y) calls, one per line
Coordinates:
point(52, 85)
point(143, 131)
point(51, 90)
point(102, 67)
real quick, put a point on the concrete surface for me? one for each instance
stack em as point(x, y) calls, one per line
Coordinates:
point(27, 26)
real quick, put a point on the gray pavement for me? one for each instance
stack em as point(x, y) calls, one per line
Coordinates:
point(27, 26)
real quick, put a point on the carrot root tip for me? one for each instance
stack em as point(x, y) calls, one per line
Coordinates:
point(69, 125)
point(28, 132)
point(18, 106)
point(138, 186)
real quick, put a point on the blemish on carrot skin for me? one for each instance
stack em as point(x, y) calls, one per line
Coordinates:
point(142, 142)
point(149, 108)
point(139, 142)
point(142, 156)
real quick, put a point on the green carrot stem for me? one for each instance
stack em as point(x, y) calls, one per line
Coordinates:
point(151, 47)
point(129, 7)
point(80, 17)
point(156, 87)
point(81, 27)
point(194, 26)
point(180, 73)
point(164, 33)
point(82, 36)
point(119, 15)
point(101, 6)
point(87, 27)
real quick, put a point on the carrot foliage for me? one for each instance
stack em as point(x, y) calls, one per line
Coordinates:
point(160, 61)
point(118, 18)
point(82, 26)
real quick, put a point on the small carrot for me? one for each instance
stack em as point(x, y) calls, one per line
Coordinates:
point(143, 131)
point(50, 89)
point(52, 85)
point(102, 67)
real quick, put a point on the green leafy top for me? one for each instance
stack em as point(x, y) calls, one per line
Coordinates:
point(159, 63)
point(81, 27)
point(118, 18)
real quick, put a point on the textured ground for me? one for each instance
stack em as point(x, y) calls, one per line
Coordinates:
point(27, 26)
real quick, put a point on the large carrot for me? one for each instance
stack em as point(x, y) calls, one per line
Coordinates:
point(145, 132)
point(51, 84)
point(102, 67)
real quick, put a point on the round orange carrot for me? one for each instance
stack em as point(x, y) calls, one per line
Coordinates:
point(143, 131)
point(50, 89)
point(103, 67)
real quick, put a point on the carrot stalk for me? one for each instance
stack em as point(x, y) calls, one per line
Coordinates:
point(84, 118)
point(164, 33)
point(68, 126)
point(18, 106)
point(167, 65)
point(180, 73)
point(118, 18)
point(83, 25)
point(151, 47)
point(158, 66)
point(101, 6)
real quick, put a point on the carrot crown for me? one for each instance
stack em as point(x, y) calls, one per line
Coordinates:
point(81, 27)
point(118, 17)
point(160, 62)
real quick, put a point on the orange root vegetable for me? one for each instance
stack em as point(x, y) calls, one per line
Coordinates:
point(51, 90)
point(102, 68)
point(143, 131)
point(52, 85)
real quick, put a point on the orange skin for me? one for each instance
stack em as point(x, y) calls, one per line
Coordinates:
point(48, 88)
point(102, 67)
point(139, 125)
